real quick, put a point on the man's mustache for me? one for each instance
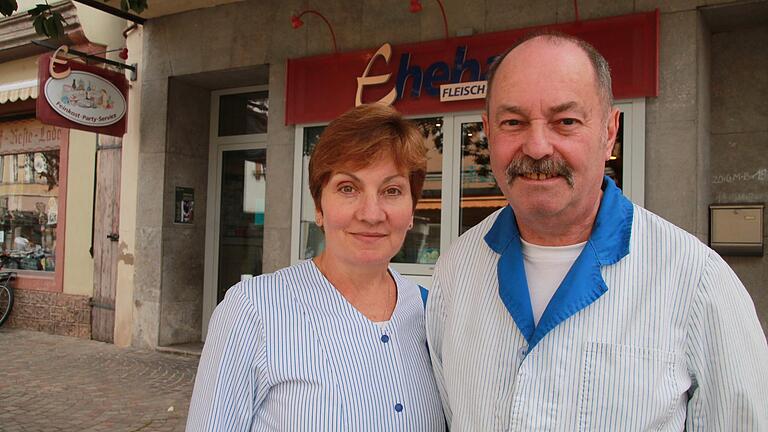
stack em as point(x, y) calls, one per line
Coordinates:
point(526, 165)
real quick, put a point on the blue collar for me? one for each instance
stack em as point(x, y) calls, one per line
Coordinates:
point(582, 286)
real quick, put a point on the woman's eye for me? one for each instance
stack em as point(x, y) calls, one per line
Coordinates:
point(393, 191)
point(346, 189)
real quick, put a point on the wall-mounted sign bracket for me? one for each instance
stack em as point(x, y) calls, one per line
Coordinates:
point(122, 66)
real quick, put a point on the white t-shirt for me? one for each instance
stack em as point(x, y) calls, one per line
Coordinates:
point(545, 269)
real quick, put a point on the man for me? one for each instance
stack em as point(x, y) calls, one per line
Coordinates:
point(572, 309)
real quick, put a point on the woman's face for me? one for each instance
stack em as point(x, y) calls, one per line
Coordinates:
point(365, 214)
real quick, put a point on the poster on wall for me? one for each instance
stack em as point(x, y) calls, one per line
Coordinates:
point(185, 205)
point(79, 96)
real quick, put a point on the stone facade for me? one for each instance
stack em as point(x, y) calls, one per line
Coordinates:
point(739, 134)
point(223, 41)
point(51, 312)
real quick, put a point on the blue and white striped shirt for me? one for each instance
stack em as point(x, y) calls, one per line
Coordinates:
point(287, 352)
point(650, 330)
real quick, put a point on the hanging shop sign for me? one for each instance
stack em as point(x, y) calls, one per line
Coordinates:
point(449, 75)
point(80, 96)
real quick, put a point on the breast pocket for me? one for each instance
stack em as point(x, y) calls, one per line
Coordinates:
point(626, 388)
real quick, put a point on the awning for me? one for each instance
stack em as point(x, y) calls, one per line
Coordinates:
point(18, 91)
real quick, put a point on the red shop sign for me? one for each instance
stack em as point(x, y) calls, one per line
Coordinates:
point(410, 76)
point(79, 96)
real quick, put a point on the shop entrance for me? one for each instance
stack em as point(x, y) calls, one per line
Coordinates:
point(236, 189)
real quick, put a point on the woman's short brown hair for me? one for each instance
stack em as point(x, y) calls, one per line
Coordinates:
point(362, 136)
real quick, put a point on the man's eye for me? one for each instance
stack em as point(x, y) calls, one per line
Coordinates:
point(511, 122)
point(568, 122)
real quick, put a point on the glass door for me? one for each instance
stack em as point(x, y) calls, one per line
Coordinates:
point(237, 166)
point(241, 216)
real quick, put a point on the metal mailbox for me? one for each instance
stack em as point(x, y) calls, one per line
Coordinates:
point(736, 229)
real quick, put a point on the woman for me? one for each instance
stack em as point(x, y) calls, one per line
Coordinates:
point(338, 342)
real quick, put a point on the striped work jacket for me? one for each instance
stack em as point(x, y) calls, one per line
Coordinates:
point(649, 331)
point(287, 352)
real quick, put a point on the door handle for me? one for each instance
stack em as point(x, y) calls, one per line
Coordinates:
point(114, 237)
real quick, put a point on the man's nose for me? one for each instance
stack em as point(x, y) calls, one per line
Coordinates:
point(537, 143)
point(370, 209)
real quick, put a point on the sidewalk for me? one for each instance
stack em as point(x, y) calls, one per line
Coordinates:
point(57, 383)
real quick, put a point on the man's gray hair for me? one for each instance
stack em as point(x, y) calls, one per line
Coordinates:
point(599, 64)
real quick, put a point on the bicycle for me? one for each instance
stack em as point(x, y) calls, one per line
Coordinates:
point(6, 293)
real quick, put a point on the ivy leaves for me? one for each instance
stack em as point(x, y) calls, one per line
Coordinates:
point(7, 7)
point(46, 22)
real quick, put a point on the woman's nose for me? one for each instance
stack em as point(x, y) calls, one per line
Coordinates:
point(370, 209)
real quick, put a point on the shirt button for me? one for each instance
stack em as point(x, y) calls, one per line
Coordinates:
point(398, 407)
point(384, 338)
point(523, 351)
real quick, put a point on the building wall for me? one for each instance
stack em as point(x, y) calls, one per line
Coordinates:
point(129, 184)
point(78, 262)
point(739, 134)
point(258, 32)
point(19, 70)
point(65, 308)
point(102, 28)
point(183, 245)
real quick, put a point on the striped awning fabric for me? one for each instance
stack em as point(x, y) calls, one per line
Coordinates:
point(18, 91)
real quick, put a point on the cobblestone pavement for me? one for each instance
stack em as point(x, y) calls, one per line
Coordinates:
point(58, 383)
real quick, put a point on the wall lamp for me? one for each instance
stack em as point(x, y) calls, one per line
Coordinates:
point(416, 7)
point(296, 22)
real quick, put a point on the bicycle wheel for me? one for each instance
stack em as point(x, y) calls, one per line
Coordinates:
point(6, 303)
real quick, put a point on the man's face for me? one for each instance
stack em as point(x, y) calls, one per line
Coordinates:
point(549, 132)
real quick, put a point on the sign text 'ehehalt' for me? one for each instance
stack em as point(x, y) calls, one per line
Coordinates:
point(448, 75)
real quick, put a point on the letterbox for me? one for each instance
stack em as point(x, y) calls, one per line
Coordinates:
point(736, 229)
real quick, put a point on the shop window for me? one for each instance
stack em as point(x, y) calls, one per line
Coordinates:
point(480, 194)
point(460, 189)
point(422, 243)
point(29, 193)
point(243, 113)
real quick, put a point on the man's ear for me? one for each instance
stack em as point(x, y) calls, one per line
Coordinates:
point(612, 130)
